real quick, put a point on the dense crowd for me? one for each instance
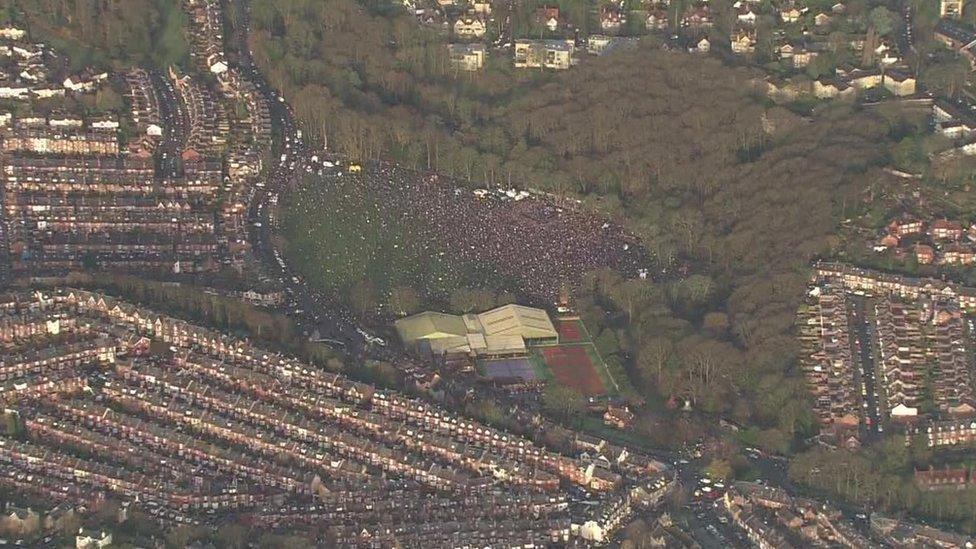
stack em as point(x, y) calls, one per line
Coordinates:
point(453, 234)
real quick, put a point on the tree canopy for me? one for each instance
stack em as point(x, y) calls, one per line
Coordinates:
point(738, 194)
point(105, 32)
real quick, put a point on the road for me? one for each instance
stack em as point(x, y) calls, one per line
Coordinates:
point(291, 156)
point(176, 122)
point(865, 377)
point(4, 245)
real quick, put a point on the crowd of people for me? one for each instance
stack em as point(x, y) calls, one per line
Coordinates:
point(444, 234)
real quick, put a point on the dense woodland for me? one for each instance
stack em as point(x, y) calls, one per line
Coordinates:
point(104, 32)
point(680, 148)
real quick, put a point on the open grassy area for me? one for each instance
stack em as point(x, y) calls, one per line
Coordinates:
point(539, 365)
point(340, 236)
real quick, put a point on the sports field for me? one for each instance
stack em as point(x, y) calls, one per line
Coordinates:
point(575, 362)
point(572, 367)
point(570, 330)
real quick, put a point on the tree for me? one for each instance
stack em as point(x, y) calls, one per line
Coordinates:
point(607, 342)
point(821, 66)
point(563, 403)
point(719, 469)
point(183, 535)
point(466, 300)
point(946, 76)
point(882, 20)
point(652, 358)
point(716, 323)
point(109, 33)
point(13, 425)
point(909, 155)
point(231, 536)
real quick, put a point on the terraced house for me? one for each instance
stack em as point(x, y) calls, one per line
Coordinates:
point(260, 429)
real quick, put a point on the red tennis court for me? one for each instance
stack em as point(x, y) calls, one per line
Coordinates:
point(572, 367)
point(569, 331)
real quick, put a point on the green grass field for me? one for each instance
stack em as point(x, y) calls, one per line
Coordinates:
point(539, 365)
point(339, 236)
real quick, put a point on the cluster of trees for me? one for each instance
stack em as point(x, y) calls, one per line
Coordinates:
point(105, 32)
point(681, 149)
point(939, 70)
point(880, 477)
point(226, 314)
point(235, 535)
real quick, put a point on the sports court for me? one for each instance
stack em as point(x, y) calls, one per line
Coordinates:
point(572, 367)
point(570, 330)
point(509, 368)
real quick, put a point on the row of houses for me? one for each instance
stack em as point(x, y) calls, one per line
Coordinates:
point(65, 213)
point(957, 125)
point(923, 350)
point(529, 54)
point(544, 54)
point(248, 129)
point(946, 433)
point(918, 338)
point(77, 197)
point(61, 141)
point(901, 533)
point(947, 478)
point(28, 73)
point(771, 518)
point(208, 125)
point(144, 109)
point(844, 85)
point(867, 281)
point(54, 468)
point(940, 242)
point(957, 36)
point(828, 364)
point(255, 426)
point(364, 507)
point(614, 513)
